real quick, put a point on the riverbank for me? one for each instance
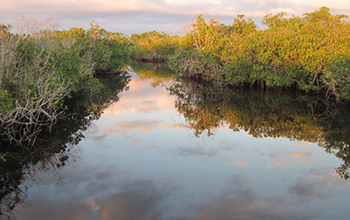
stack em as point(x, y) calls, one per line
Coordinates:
point(310, 53)
point(41, 69)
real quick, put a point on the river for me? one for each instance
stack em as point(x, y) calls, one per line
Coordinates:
point(168, 149)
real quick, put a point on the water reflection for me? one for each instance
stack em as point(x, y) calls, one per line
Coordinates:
point(267, 114)
point(52, 149)
point(132, 200)
point(159, 74)
point(168, 151)
point(238, 200)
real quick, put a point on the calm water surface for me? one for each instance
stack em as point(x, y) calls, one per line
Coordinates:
point(159, 153)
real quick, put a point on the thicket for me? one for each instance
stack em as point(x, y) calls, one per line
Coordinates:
point(311, 53)
point(41, 68)
point(153, 46)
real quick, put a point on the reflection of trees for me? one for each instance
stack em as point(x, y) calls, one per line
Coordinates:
point(337, 135)
point(158, 72)
point(267, 114)
point(51, 148)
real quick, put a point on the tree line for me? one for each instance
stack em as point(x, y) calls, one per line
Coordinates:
point(309, 53)
point(41, 68)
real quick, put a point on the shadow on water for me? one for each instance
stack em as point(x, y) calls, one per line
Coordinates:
point(52, 149)
point(266, 114)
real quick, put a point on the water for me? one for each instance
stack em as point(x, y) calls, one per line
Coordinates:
point(170, 150)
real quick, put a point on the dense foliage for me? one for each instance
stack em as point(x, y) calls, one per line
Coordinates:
point(39, 69)
point(311, 53)
point(153, 46)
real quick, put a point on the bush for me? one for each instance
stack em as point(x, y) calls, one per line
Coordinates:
point(40, 68)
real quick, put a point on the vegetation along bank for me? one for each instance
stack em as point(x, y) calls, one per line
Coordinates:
point(41, 68)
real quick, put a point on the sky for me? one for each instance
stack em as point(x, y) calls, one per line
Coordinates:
point(170, 16)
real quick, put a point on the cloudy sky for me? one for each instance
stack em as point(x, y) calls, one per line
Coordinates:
point(137, 16)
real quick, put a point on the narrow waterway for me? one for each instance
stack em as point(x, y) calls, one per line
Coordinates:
point(160, 153)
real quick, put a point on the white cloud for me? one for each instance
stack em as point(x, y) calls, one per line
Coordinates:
point(136, 16)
